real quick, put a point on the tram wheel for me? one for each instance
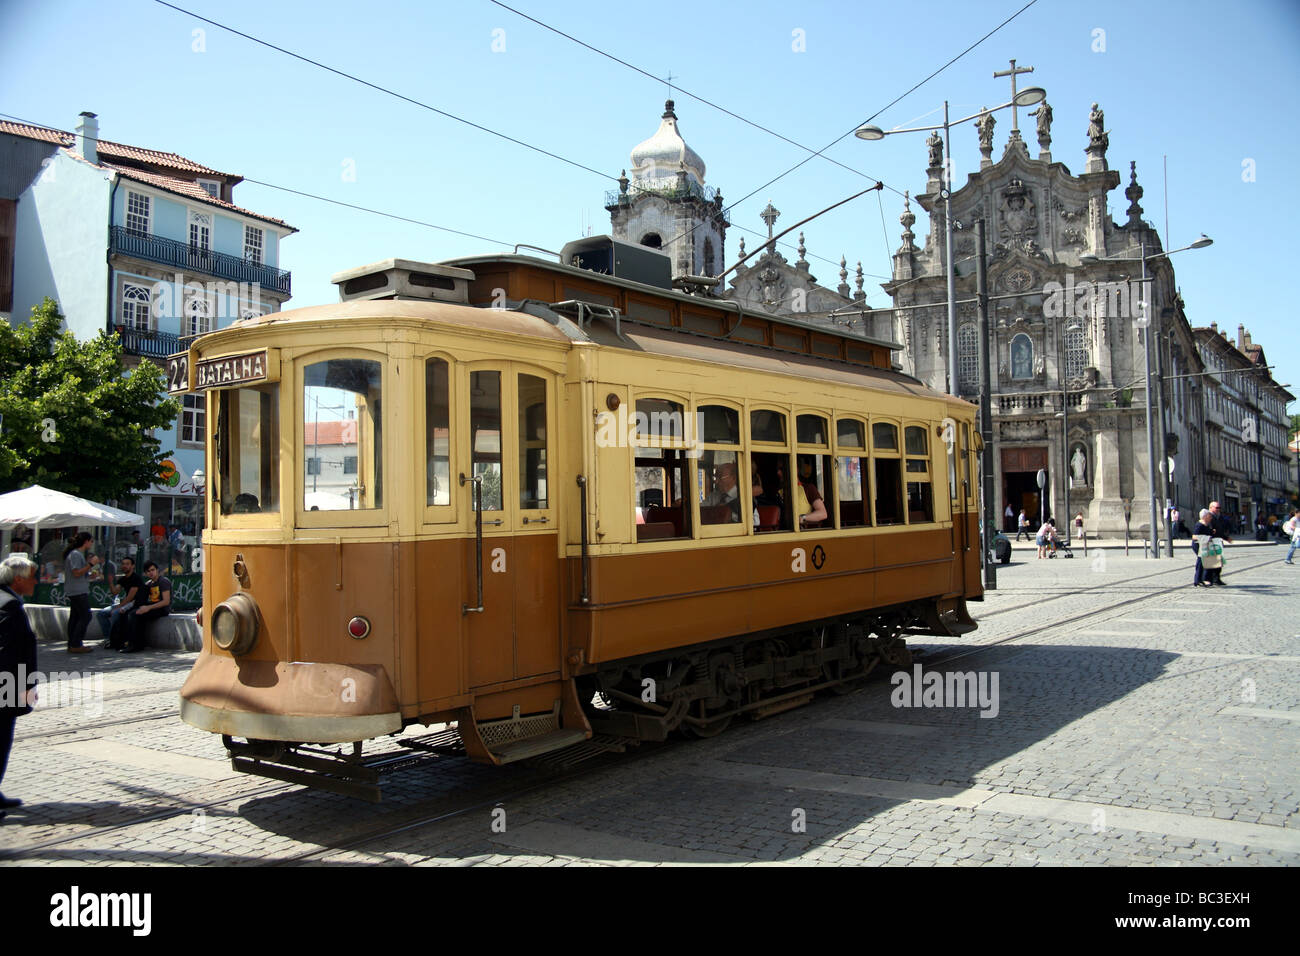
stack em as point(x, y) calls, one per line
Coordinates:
point(711, 729)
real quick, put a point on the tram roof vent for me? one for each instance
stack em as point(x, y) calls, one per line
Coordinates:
point(404, 279)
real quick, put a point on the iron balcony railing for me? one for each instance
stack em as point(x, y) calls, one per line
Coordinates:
point(182, 255)
point(151, 344)
point(667, 189)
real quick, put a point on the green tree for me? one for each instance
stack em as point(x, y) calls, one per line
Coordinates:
point(75, 419)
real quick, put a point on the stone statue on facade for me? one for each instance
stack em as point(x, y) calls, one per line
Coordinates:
point(936, 150)
point(1044, 116)
point(1098, 138)
point(1079, 466)
point(985, 125)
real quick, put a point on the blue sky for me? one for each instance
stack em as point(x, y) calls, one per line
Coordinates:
point(1207, 85)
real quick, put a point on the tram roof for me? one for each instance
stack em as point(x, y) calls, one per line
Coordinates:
point(726, 305)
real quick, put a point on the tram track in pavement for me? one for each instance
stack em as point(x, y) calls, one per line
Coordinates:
point(1121, 606)
point(180, 809)
point(448, 810)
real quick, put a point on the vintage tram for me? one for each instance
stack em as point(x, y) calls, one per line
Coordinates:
point(535, 500)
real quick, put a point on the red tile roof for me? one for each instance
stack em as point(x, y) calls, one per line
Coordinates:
point(134, 154)
point(58, 137)
point(331, 433)
point(190, 190)
point(119, 151)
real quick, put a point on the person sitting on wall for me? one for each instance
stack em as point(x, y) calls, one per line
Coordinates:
point(154, 603)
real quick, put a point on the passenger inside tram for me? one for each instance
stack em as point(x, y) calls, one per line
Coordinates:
point(808, 499)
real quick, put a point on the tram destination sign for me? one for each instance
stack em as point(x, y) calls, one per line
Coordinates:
point(230, 370)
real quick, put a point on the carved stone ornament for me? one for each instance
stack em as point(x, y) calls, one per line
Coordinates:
point(1017, 280)
point(1069, 213)
point(1018, 216)
point(1022, 431)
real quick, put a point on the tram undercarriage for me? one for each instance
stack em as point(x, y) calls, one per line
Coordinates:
point(697, 691)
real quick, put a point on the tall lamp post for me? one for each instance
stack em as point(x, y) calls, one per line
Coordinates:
point(1074, 326)
point(1026, 97)
point(1143, 322)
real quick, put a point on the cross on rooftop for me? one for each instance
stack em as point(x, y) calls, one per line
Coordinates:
point(1013, 72)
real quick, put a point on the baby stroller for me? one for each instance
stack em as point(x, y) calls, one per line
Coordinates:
point(1059, 547)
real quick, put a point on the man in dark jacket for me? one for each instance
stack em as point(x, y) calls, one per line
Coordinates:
point(17, 655)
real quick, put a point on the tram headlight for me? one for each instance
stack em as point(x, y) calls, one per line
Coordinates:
point(235, 623)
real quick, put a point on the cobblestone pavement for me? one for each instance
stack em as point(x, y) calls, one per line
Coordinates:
point(1140, 721)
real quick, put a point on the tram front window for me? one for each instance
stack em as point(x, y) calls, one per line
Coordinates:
point(485, 434)
point(342, 429)
point(248, 441)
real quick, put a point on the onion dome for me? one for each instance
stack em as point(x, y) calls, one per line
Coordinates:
point(665, 153)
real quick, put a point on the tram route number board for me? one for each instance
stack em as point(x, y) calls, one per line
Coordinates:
point(178, 373)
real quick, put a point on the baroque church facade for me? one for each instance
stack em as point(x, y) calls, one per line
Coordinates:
point(1070, 308)
point(1069, 313)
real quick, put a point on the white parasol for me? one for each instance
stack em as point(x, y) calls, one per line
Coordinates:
point(36, 506)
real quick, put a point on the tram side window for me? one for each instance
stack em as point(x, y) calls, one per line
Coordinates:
point(889, 478)
point(437, 433)
point(920, 495)
point(852, 474)
point(814, 485)
point(719, 487)
point(248, 442)
point(342, 417)
point(485, 434)
point(532, 442)
point(771, 490)
point(661, 510)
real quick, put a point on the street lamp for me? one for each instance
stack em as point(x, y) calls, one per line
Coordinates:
point(1026, 97)
point(200, 481)
point(1144, 323)
point(1074, 326)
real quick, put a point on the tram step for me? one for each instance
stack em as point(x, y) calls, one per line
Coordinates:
point(533, 746)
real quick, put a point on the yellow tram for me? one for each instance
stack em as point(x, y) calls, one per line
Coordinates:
point(574, 502)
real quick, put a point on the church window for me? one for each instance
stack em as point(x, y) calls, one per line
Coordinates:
point(967, 351)
point(1022, 357)
point(652, 240)
point(710, 267)
point(1076, 355)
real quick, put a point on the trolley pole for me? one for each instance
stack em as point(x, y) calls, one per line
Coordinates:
point(986, 409)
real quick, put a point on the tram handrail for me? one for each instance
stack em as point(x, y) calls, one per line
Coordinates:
point(585, 596)
point(478, 541)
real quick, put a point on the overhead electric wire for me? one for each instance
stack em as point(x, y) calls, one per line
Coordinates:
point(695, 96)
point(383, 89)
point(299, 192)
point(493, 132)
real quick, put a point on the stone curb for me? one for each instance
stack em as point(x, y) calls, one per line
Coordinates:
point(177, 632)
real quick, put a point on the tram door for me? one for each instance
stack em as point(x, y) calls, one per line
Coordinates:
point(510, 409)
point(963, 504)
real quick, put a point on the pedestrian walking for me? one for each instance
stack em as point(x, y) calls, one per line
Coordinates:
point(1078, 526)
point(1046, 537)
point(1009, 519)
point(1210, 551)
point(1219, 529)
point(1292, 528)
point(18, 578)
point(1024, 526)
point(1200, 533)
